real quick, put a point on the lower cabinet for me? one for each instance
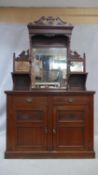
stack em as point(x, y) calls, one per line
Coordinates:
point(48, 125)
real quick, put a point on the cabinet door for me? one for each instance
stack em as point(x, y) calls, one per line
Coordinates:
point(30, 126)
point(69, 127)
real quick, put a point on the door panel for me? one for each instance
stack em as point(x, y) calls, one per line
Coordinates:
point(68, 124)
point(31, 128)
point(31, 137)
point(69, 137)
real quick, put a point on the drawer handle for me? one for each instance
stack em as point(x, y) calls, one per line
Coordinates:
point(29, 99)
point(70, 100)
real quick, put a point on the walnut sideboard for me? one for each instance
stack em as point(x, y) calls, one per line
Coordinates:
point(49, 124)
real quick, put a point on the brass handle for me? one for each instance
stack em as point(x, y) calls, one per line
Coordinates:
point(54, 131)
point(70, 100)
point(29, 99)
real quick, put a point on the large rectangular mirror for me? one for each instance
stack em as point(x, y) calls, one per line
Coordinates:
point(49, 67)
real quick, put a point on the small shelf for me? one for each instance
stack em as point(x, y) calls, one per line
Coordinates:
point(21, 81)
point(21, 73)
point(77, 81)
point(78, 73)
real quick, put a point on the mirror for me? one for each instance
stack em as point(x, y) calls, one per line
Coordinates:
point(76, 66)
point(49, 67)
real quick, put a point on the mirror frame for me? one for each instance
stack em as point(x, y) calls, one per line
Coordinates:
point(50, 32)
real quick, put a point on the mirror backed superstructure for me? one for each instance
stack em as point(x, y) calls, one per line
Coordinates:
point(52, 63)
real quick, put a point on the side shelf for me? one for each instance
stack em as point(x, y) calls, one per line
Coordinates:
point(77, 81)
point(21, 81)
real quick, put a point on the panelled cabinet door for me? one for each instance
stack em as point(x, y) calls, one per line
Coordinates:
point(69, 127)
point(31, 127)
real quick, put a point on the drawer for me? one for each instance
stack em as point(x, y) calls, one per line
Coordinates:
point(29, 100)
point(70, 100)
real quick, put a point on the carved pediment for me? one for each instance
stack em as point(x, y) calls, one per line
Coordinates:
point(24, 55)
point(49, 21)
point(75, 55)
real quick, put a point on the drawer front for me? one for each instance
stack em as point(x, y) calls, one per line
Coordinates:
point(29, 100)
point(70, 100)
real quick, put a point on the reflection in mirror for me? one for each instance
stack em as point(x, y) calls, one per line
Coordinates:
point(49, 67)
point(76, 66)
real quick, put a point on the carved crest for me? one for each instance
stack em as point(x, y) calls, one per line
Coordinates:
point(24, 55)
point(49, 21)
point(75, 55)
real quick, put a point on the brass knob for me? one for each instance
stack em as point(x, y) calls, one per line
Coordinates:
point(54, 131)
point(29, 99)
point(70, 100)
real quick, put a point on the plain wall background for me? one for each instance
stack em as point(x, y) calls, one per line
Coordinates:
point(14, 38)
